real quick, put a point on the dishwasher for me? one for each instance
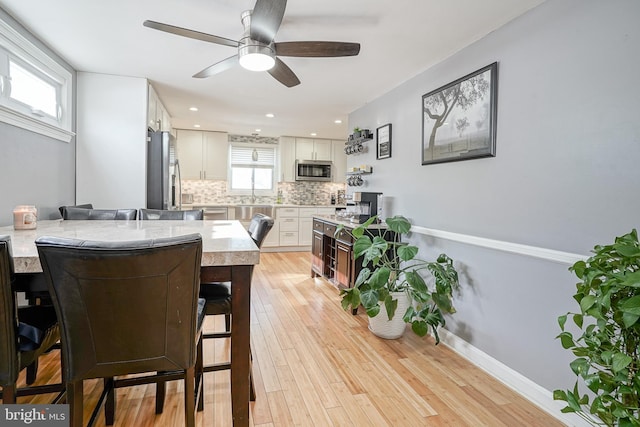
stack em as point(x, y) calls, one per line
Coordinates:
point(214, 213)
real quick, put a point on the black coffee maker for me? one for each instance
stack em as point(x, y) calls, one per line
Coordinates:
point(366, 205)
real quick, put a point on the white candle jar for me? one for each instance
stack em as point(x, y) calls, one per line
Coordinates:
point(25, 217)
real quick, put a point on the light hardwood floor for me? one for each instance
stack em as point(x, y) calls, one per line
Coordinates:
point(317, 365)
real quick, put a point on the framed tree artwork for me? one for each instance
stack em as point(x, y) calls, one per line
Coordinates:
point(383, 141)
point(459, 119)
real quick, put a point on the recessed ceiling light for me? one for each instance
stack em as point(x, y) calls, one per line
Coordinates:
point(337, 121)
point(196, 126)
point(314, 134)
point(270, 115)
point(193, 108)
point(258, 130)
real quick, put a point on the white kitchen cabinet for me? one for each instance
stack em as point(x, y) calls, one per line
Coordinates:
point(202, 154)
point(273, 237)
point(287, 219)
point(152, 106)
point(339, 161)
point(287, 151)
point(313, 149)
point(163, 116)
point(305, 226)
point(157, 115)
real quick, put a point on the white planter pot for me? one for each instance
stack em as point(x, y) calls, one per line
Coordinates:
point(382, 327)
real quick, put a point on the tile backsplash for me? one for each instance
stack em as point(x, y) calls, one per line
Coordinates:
point(295, 193)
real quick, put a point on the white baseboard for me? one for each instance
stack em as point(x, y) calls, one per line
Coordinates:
point(512, 379)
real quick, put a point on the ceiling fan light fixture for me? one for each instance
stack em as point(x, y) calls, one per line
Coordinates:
point(256, 57)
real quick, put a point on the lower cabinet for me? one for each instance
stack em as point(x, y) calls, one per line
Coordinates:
point(343, 265)
point(331, 258)
point(295, 224)
point(332, 255)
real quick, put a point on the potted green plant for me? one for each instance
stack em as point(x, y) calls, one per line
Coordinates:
point(608, 347)
point(391, 278)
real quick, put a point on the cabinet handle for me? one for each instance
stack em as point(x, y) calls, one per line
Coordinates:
point(205, 174)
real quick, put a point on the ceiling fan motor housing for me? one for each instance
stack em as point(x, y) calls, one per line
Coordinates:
point(252, 54)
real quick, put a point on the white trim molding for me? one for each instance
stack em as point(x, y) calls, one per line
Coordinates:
point(516, 248)
point(20, 120)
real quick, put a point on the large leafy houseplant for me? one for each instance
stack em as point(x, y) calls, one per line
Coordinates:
point(390, 265)
point(608, 348)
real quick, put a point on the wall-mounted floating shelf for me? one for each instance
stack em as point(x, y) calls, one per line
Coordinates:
point(354, 144)
point(361, 171)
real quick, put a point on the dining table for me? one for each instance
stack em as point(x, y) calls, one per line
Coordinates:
point(229, 254)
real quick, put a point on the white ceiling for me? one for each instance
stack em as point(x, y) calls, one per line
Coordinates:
point(398, 38)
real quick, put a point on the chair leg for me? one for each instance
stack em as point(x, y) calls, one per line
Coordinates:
point(227, 323)
point(200, 376)
point(252, 390)
point(189, 397)
point(160, 395)
point(110, 404)
point(8, 394)
point(32, 372)
point(74, 399)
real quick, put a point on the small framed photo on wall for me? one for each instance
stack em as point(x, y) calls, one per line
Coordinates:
point(383, 141)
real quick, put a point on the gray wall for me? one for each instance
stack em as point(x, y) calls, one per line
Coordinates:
point(565, 176)
point(35, 169)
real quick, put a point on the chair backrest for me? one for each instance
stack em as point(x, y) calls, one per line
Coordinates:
point(105, 214)
point(259, 227)
point(124, 307)
point(195, 214)
point(8, 317)
point(62, 209)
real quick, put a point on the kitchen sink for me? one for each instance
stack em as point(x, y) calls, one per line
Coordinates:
point(246, 212)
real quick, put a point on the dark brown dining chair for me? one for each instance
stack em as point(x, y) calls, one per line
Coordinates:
point(194, 214)
point(218, 294)
point(62, 209)
point(74, 213)
point(25, 334)
point(127, 308)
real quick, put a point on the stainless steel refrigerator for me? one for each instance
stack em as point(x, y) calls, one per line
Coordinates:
point(163, 172)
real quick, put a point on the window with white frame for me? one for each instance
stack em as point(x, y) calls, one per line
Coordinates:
point(35, 91)
point(252, 169)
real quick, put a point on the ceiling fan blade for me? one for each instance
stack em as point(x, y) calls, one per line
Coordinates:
point(218, 67)
point(282, 73)
point(190, 33)
point(266, 19)
point(317, 49)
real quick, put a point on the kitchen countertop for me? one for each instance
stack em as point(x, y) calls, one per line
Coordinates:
point(341, 221)
point(223, 242)
point(275, 205)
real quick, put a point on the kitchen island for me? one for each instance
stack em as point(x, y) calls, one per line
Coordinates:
point(332, 255)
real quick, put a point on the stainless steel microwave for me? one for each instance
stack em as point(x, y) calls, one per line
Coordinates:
point(314, 170)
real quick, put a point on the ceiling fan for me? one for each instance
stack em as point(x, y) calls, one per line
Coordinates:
point(257, 50)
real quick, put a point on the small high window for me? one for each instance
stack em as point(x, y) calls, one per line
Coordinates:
point(35, 91)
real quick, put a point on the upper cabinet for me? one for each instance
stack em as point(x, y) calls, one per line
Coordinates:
point(202, 154)
point(287, 150)
point(313, 149)
point(292, 148)
point(157, 116)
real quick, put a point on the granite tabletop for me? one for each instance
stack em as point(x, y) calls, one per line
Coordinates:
point(223, 242)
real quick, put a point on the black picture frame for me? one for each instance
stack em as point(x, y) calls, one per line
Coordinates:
point(459, 119)
point(383, 141)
